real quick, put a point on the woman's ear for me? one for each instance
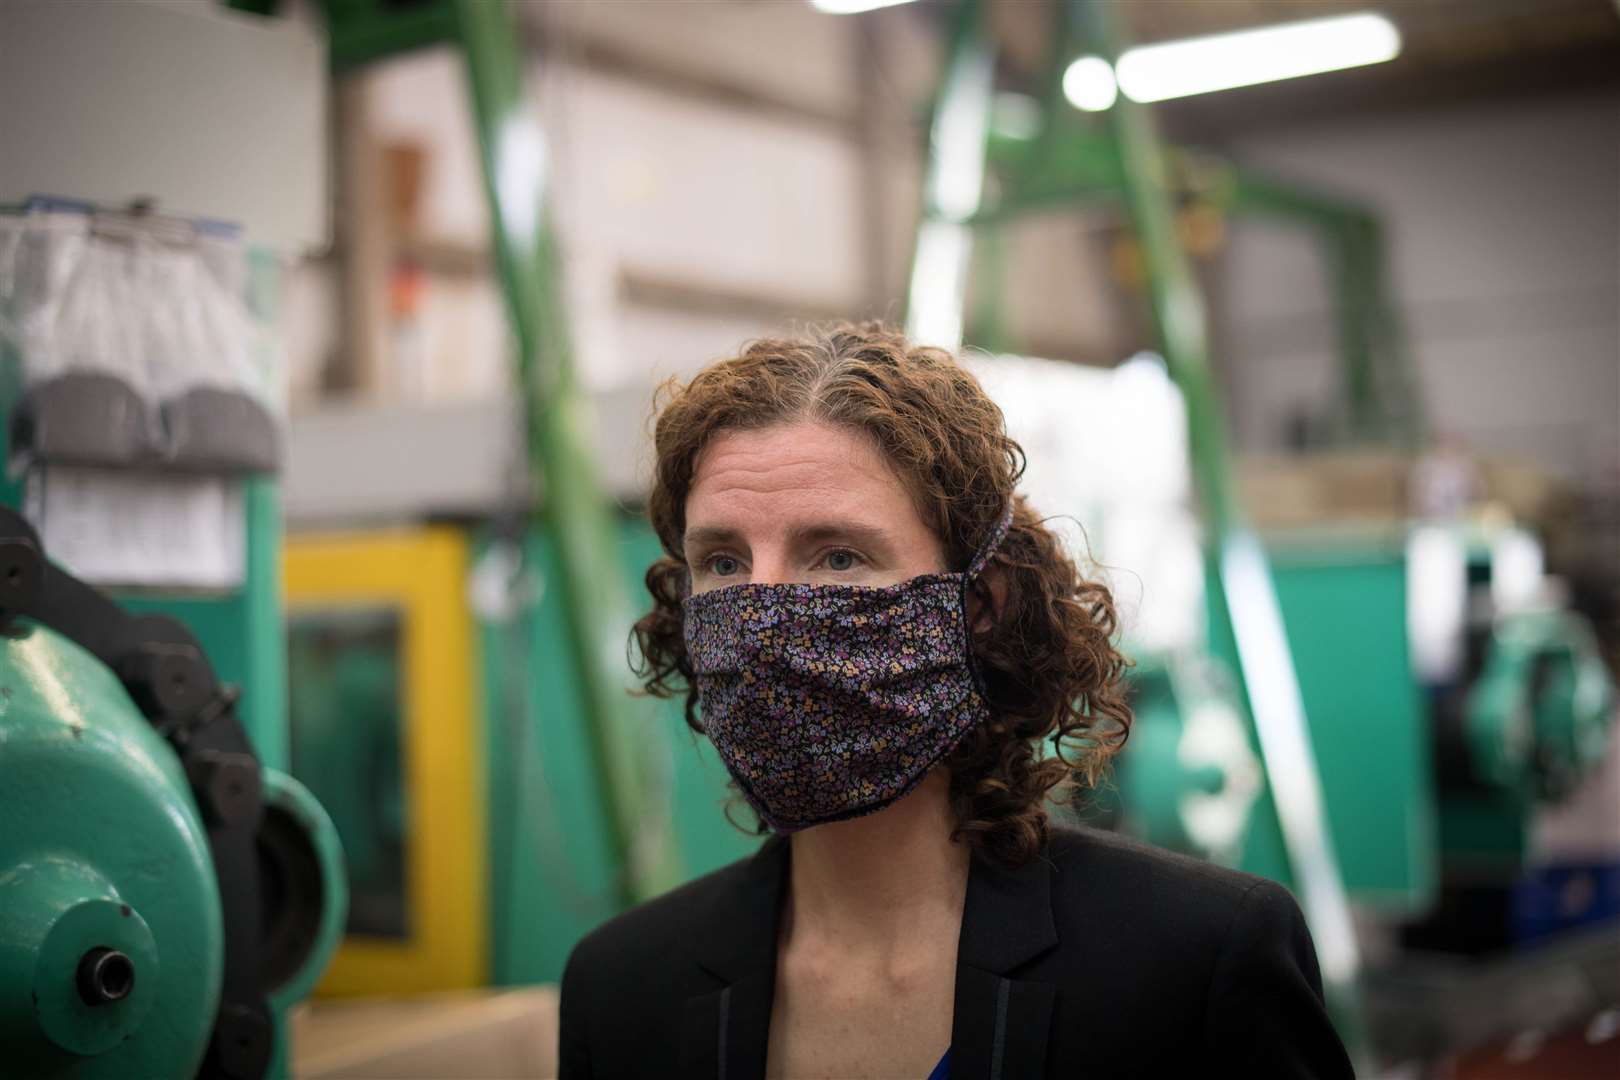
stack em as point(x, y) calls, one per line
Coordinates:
point(992, 583)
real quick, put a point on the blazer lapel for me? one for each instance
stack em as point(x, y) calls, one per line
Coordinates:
point(725, 1032)
point(1002, 1024)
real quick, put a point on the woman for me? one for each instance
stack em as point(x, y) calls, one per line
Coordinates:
point(898, 663)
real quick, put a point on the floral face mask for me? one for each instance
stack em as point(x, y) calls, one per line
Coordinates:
point(829, 702)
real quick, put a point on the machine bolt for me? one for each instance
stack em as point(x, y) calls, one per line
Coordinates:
point(243, 1040)
point(167, 680)
point(105, 975)
point(20, 567)
point(227, 786)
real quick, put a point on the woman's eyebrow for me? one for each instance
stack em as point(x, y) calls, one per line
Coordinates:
point(821, 532)
point(851, 532)
point(709, 534)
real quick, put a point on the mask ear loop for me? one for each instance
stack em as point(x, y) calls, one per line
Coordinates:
point(981, 559)
point(987, 550)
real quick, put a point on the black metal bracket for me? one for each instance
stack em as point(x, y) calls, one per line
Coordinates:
point(169, 678)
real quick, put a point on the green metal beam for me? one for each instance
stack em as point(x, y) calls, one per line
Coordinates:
point(517, 166)
point(361, 31)
point(1070, 164)
point(1381, 402)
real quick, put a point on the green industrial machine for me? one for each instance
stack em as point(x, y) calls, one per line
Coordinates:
point(164, 897)
point(1190, 779)
point(1344, 605)
point(142, 923)
point(1537, 718)
point(1430, 774)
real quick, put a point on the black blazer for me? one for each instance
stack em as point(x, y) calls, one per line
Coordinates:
point(1104, 958)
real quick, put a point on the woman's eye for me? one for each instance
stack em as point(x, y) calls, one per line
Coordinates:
point(723, 566)
point(841, 560)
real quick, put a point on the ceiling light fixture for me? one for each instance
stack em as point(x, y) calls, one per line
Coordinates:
point(1202, 65)
point(1089, 84)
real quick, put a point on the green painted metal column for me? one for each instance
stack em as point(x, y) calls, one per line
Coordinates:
point(575, 512)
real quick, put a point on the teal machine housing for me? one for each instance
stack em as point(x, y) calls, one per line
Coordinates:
point(110, 909)
point(80, 762)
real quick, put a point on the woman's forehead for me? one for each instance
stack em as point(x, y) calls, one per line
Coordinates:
point(804, 471)
point(792, 456)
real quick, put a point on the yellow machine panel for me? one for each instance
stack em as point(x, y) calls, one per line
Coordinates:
point(415, 579)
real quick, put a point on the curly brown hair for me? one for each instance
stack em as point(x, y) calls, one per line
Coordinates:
point(1047, 658)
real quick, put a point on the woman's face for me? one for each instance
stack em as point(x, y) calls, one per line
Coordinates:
point(802, 502)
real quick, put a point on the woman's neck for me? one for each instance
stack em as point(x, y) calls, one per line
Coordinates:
point(875, 882)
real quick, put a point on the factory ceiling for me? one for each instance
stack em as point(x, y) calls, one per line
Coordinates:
point(1452, 50)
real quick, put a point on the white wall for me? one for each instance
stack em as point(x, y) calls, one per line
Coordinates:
point(672, 187)
point(706, 197)
point(785, 51)
point(1504, 227)
point(213, 113)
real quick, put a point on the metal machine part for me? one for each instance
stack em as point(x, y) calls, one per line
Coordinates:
point(1190, 776)
point(152, 858)
point(1537, 719)
point(82, 919)
point(1523, 701)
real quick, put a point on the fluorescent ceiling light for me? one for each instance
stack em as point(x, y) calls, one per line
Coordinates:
point(1202, 65)
point(853, 7)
